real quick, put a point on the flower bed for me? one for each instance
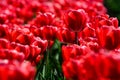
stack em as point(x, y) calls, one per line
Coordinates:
point(58, 40)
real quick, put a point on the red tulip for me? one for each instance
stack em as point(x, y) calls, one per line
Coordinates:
point(108, 37)
point(100, 66)
point(24, 39)
point(4, 43)
point(74, 51)
point(41, 44)
point(4, 31)
point(63, 35)
point(34, 51)
point(48, 32)
point(11, 55)
point(15, 33)
point(87, 32)
point(25, 13)
point(69, 71)
point(3, 18)
point(14, 70)
point(21, 48)
point(75, 19)
point(43, 19)
point(102, 20)
point(38, 58)
point(114, 21)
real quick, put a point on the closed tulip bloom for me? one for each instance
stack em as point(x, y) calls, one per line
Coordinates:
point(75, 20)
point(48, 32)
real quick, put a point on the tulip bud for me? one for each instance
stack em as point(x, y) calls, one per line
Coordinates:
point(48, 32)
point(75, 20)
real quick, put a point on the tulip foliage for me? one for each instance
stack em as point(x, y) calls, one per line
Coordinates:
point(58, 40)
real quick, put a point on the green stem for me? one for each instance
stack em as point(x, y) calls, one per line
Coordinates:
point(50, 67)
point(76, 37)
point(47, 62)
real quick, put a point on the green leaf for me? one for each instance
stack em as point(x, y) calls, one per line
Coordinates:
point(113, 8)
point(50, 67)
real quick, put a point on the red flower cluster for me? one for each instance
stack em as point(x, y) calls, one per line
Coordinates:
point(29, 27)
point(96, 58)
point(99, 66)
point(14, 70)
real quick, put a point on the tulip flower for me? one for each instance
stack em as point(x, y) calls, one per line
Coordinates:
point(11, 55)
point(43, 19)
point(4, 43)
point(108, 37)
point(28, 33)
point(100, 66)
point(63, 35)
point(74, 51)
point(40, 43)
point(75, 20)
point(48, 32)
point(14, 70)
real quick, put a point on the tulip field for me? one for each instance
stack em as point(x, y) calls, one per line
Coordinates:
point(58, 40)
